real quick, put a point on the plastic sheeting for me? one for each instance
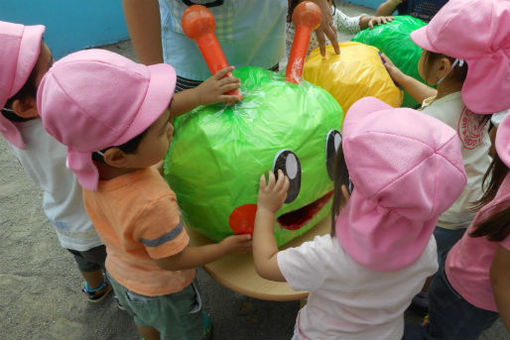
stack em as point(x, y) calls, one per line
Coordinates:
point(356, 73)
point(219, 152)
point(394, 40)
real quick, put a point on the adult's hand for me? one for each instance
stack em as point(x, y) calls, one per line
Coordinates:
point(327, 28)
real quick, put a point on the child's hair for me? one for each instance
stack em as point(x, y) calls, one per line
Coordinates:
point(459, 73)
point(341, 178)
point(29, 90)
point(497, 226)
point(129, 147)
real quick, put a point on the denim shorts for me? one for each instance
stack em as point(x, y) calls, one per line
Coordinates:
point(175, 316)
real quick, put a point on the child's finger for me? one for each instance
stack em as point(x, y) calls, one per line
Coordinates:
point(229, 80)
point(271, 181)
point(286, 185)
point(230, 87)
point(229, 98)
point(262, 182)
point(223, 72)
point(280, 181)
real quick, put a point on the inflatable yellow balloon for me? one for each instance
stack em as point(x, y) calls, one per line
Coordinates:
point(356, 73)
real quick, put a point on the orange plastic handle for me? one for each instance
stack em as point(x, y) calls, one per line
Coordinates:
point(307, 17)
point(198, 24)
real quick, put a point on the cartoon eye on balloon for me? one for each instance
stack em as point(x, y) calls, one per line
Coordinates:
point(333, 144)
point(288, 162)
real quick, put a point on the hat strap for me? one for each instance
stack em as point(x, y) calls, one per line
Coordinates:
point(457, 61)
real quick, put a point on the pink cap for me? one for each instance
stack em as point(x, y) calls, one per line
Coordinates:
point(19, 52)
point(503, 140)
point(406, 168)
point(94, 99)
point(477, 31)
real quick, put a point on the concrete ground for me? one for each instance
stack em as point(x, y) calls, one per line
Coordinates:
point(40, 285)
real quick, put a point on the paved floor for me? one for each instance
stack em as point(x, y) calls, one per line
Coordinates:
point(40, 294)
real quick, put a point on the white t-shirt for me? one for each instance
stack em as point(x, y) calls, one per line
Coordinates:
point(475, 141)
point(44, 160)
point(347, 300)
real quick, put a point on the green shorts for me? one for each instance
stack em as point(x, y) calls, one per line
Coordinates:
point(176, 316)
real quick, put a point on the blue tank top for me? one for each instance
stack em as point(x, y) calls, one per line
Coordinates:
point(251, 32)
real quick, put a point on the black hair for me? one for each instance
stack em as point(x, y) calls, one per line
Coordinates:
point(341, 178)
point(496, 227)
point(129, 147)
point(29, 90)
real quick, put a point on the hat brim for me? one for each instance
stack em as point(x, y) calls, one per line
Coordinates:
point(157, 99)
point(421, 39)
point(29, 51)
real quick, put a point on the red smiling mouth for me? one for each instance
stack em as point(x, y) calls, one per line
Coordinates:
point(296, 219)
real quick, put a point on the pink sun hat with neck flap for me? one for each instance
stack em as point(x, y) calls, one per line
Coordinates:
point(407, 169)
point(20, 47)
point(478, 32)
point(94, 99)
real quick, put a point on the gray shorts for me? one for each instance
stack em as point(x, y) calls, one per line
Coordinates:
point(90, 260)
point(175, 316)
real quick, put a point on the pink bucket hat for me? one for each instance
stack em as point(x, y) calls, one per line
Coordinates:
point(503, 140)
point(94, 99)
point(407, 169)
point(19, 52)
point(477, 31)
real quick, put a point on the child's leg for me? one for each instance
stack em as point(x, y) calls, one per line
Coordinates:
point(91, 266)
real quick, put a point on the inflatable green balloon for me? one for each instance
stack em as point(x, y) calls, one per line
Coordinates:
point(394, 40)
point(219, 152)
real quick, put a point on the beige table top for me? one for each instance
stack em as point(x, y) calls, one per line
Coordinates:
point(237, 272)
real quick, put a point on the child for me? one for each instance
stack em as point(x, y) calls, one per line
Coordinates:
point(445, 42)
point(105, 107)
point(25, 58)
point(342, 22)
point(363, 276)
point(422, 9)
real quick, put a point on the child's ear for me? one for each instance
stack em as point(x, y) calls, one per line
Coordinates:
point(26, 108)
point(115, 157)
point(443, 67)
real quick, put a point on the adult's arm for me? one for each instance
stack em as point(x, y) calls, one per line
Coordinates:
point(143, 21)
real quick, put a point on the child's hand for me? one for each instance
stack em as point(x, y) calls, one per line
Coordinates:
point(394, 71)
point(214, 89)
point(273, 194)
point(375, 21)
point(237, 244)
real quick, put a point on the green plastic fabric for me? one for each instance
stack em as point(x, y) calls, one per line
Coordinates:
point(219, 152)
point(394, 40)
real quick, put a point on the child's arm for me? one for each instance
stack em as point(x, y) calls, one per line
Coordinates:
point(211, 91)
point(192, 257)
point(500, 280)
point(415, 88)
point(388, 7)
point(142, 18)
point(271, 198)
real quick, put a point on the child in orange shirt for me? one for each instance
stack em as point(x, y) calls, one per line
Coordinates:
point(115, 117)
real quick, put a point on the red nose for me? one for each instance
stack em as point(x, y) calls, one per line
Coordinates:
point(242, 219)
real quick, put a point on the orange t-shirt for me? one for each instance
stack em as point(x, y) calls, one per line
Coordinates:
point(138, 219)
